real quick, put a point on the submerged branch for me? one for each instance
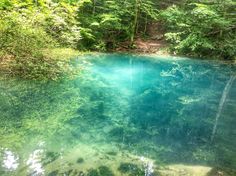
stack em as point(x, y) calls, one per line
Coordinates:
point(221, 105)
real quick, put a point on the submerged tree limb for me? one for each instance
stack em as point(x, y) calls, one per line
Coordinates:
point(221, 105)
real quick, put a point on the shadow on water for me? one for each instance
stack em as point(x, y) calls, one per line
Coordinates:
point(123, 115)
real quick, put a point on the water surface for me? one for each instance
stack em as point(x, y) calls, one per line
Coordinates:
point(122, 115)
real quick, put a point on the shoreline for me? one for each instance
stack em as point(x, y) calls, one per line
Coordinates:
point(63, 55)
point(160, 54)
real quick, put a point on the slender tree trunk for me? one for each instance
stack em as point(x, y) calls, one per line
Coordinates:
point(94, 6)
point(134, 23)
point(36, 2)
point(138, 16)
point(145, 27)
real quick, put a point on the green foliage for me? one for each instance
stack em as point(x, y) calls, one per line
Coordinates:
point(21, 46)
point(27, 31)
point(18, 37)
point(201, 29)
point(60, 22)
point(29, 28)
point(57, 19)
point(104, 24)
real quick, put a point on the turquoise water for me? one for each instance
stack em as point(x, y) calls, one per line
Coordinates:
point(122, 115)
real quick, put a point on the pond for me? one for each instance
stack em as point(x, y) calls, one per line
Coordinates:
point(121, 115)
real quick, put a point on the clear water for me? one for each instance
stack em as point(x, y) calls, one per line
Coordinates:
point(122, 115)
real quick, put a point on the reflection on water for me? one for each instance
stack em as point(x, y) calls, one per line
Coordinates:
point(10, 161)
point(34, 163)
point(123, 115)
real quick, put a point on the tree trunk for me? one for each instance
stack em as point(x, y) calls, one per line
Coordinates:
point(94, 6)
point(146, 22)
point(134, 23)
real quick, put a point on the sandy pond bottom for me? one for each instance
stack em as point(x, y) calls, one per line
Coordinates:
point(122, 115)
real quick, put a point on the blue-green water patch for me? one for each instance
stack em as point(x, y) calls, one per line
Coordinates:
point(121, 114)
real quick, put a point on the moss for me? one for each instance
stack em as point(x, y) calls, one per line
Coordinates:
point(69, 172)
point(126, 167)
point(131, 169)
point(105, 171)
point(93, 172)
point(50, 157)
point(80, 160)
point(112, 153)
point(221, 171)
point(50, 154)
point(53, 173)
point(80, 173)
point(117, 133)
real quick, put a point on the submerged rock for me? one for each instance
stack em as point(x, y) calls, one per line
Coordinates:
point(80, 160)
point(112, 153)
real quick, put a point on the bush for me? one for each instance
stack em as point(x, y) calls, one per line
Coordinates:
point(200, 30)
point(22, 49)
